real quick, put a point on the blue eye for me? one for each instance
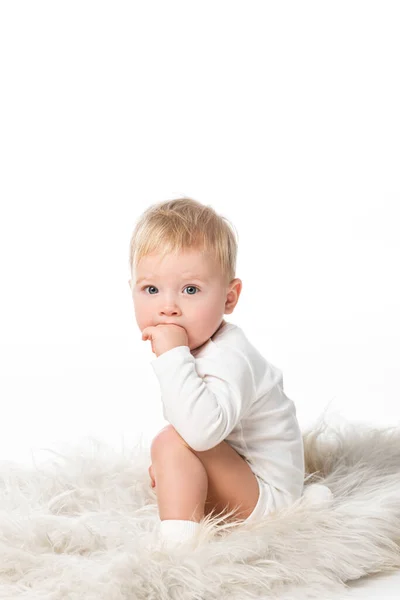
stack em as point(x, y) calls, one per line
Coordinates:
point(193, 287)
point(187, 287)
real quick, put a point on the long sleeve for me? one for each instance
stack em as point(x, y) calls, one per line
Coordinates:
point(204, 398)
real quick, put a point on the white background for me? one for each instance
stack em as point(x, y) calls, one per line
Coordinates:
point(284, 116)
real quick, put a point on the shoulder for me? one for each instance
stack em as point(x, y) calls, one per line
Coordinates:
point(232, 340)
point(227, 362)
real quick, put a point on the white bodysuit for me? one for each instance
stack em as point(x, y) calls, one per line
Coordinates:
point(226, 390)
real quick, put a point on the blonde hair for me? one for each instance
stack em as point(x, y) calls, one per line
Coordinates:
point(181, 224)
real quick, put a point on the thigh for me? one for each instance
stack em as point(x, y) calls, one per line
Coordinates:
point(231, 482)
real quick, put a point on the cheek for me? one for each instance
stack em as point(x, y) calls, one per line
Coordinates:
point(205, 314)
point(143, 311)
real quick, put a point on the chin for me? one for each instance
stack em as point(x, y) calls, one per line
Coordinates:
point(197, 345)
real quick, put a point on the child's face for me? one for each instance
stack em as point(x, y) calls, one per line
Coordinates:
point(185, 289)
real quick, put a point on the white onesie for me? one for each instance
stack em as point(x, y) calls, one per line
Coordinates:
point(226, 390)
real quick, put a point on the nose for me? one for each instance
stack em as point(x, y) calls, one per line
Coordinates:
point(170, 311)
point(170, 308)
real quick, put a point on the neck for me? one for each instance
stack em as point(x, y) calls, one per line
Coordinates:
point(220, 326)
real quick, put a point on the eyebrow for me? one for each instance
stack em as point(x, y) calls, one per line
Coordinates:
point(189, 276)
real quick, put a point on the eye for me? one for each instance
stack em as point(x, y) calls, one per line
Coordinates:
point(188, 287)
point(193, 287)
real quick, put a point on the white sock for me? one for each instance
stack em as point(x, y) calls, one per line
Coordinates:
point(175, 531)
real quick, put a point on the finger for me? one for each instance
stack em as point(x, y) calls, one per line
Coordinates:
point(147, 333)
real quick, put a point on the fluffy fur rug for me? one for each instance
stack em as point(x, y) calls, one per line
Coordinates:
point(81, 527)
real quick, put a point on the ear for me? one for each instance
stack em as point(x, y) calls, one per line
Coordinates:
point(130, 283)
point(235, 288)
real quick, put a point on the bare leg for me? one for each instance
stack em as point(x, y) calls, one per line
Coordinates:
point(181, 482)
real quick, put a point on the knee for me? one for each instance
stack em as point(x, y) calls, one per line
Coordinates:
point(167, 439)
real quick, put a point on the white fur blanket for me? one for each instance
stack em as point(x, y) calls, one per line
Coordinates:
point(81, 527)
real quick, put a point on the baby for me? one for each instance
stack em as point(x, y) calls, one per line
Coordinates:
point(233, 442)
